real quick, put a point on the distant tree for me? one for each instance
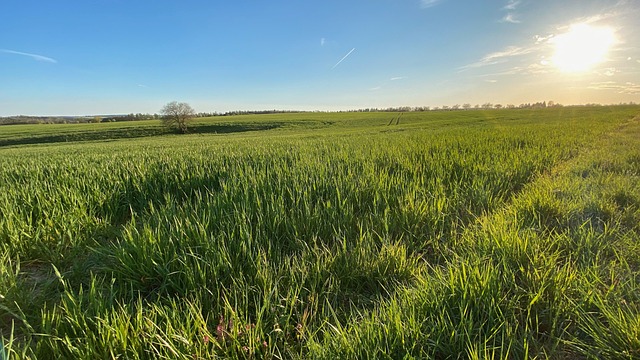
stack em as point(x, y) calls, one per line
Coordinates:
point(466, 106)
point(177, 114)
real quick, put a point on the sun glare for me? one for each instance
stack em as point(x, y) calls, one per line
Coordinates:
point(582, 47)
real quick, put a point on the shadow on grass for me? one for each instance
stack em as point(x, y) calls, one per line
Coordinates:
point(132, 132)
point(137, 195)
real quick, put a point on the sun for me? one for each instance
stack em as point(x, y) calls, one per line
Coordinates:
point(582, 47)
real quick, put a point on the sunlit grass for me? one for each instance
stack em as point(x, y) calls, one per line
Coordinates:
point(470, 234)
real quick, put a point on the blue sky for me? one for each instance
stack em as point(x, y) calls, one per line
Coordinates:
point(73, 57)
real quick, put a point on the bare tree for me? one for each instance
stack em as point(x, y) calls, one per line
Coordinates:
point(177, 114)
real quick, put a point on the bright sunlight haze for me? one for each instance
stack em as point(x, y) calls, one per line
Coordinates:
point(582, 47)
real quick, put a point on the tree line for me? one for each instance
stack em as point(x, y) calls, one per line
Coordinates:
point(23, 119)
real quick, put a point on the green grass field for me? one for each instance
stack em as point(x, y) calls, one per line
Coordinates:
point(505, 234)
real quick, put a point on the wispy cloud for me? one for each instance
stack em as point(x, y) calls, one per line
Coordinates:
point(512, 5)
point(343, 58)
point(542, 67)
point(398, 78)
point(510, 18)
point(608, 15)
point(626, 88)
point(543, 39)
point(612, 13)
point(323, 41)
point(429, 3)
point(499, 57)
point(33, 56)
point(376, 88)
point(611, 71)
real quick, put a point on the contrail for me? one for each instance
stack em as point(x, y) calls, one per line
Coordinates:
point(341, 60)
point(33, 56)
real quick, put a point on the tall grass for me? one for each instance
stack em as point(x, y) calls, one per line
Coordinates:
point(464, 235)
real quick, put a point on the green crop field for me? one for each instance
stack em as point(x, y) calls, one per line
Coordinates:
point(503, 234)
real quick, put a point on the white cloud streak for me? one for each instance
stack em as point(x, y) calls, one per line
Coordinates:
point(512, 5)
point(429, 3)
point(499, 57)
point(543, 39)
point(33, 56)
point(626, 88)
point(510, 18)
point(343, 58)
point(398, 78)
point(609, 71)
